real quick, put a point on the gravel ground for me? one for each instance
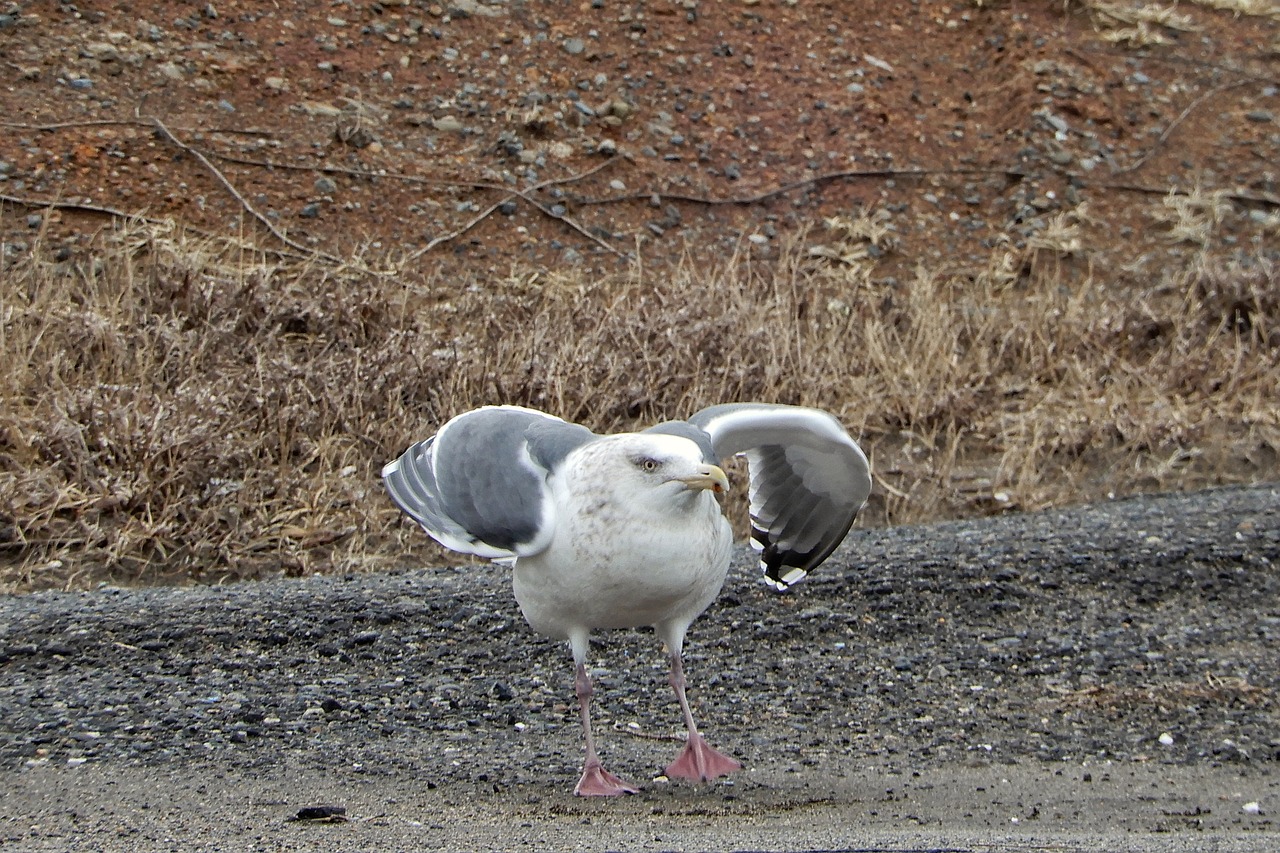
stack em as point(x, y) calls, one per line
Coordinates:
point(1078, 679)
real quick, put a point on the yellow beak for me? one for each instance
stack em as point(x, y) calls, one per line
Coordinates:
point(708, 477)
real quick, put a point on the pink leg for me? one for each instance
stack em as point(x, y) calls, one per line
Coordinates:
point(595, 781)
point(698, 762)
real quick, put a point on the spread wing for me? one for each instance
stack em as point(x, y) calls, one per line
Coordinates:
point(479, 485)
point(808, 481)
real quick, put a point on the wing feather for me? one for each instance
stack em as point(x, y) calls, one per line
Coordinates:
point(479, 485)
point(808, 481)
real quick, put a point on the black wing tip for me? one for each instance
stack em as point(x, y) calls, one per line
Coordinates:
point(783, 569)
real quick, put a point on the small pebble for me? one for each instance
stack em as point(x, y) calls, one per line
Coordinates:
point(1060, 157)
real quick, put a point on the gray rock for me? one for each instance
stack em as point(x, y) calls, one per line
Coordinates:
point(1060, 156)
point(465, 8)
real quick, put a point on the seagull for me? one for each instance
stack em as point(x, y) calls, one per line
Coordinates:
point(624, 531)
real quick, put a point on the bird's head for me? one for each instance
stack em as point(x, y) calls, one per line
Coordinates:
point(668, 468)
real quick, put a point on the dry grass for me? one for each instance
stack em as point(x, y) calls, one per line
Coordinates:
point(1255, 8)
point(174, 408)
point(1138, 24)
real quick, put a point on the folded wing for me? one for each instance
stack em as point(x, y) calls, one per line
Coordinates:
point(809, 479)
point(479, 485)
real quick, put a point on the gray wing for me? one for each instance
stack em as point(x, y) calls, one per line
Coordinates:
point(808, 481)
point(479, 485)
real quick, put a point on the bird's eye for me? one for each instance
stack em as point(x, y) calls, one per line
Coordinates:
point(648, 464)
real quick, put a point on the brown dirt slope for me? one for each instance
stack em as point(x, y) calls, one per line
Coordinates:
point(391, 125)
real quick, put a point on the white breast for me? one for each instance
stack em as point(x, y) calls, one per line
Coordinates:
point(622, 557)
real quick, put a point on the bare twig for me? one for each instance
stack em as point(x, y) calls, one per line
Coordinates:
point(118, 122)
point(816, 180)
point(82, 207)
point(453, 235)
point(244, 203)
point(1159, 143)
point(116, 213)
point(527, 196)
point(512, 194)
point(1265, 199)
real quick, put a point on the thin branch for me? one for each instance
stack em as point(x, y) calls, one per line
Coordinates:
point(1159, 143)
point(328, 169)
point(574, 225)
point(525, 194)
point(115, 213)
point(1266, 199)
point(511, 195)
point(82, 207)
point(826, 177)
point(453, 235)
point(244, 203)
point(120, 122)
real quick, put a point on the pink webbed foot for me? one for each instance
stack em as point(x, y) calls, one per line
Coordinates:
point(598, 782)
point(700, 763)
